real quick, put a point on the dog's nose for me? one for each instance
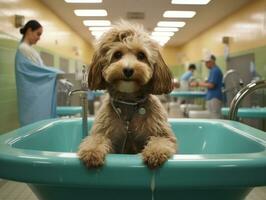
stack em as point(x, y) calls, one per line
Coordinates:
point(128, 72)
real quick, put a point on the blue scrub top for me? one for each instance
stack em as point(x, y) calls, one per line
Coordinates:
point(215, 77)
point(186, 76)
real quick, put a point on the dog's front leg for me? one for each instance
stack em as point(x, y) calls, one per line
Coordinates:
point(158, 150)
point(93, 149)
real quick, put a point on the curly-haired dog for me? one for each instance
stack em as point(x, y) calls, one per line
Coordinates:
point(132, 120)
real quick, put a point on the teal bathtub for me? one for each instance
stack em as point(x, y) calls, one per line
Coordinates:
point(217, 160)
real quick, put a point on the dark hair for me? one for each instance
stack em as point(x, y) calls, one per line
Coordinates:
point(192, 66)
point(32, 24)
point(213, 58)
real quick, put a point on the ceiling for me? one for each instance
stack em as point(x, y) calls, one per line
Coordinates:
point(207, 15)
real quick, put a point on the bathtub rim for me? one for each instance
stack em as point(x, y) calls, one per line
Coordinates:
point(245, 170)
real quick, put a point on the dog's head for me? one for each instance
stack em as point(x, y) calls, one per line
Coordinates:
point(129, 60)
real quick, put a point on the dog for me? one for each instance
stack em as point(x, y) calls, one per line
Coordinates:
point(127, 63)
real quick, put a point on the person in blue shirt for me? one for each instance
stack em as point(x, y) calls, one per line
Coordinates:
point(214, 87)
point(185, 80)
point(188, 74)
point(186, 77)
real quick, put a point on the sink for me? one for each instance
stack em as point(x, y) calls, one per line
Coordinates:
point(68, 110)
point(256, 113)
point(217, 159)
point(188, 94)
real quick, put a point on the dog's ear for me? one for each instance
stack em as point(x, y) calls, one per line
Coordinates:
point(161, 82)
point(95, 78)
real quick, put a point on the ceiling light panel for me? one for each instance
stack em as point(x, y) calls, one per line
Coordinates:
point(97, 23)
point(179, 14)
point(99, 28)
point(162, 33)
point(97, 33)
point(90, 13)
point(172, 29)
point(191, 2)
point(171, 24)
point(83, 1)
point(162, 40)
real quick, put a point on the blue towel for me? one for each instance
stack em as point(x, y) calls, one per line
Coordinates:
point(36, 90)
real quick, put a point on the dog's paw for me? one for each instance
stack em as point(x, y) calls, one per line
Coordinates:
point(154, 159)
point(92, 158)
point(157, 151)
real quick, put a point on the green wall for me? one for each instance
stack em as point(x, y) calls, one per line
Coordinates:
point(177, 70)
point(8, 100)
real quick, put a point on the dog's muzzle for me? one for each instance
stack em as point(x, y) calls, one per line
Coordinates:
point(128, 72)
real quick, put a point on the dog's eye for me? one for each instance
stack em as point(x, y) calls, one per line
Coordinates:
point(117, 55)
point(141, 56)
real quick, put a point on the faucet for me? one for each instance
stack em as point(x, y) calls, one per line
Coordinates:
point(248, 89)
point(232, 83)
point(234, 86)
point(84, 102)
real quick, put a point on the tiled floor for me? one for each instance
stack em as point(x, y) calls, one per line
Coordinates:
point(11, 190)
